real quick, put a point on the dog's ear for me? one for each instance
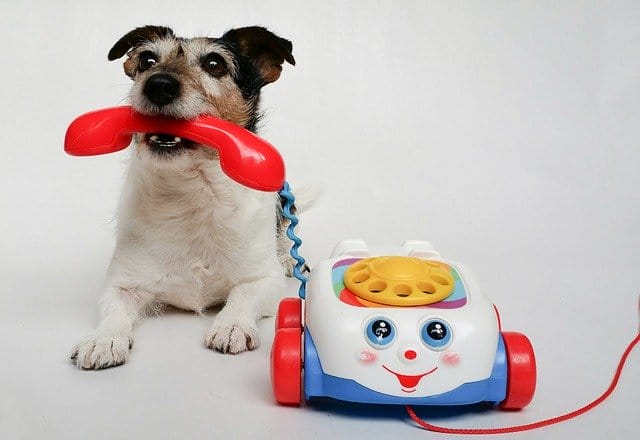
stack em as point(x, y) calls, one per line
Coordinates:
point(267, 51)
point(136, 37)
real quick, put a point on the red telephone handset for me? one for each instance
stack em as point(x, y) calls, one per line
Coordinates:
point(244, 157)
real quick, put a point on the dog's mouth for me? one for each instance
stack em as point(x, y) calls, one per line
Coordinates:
point(166, 144)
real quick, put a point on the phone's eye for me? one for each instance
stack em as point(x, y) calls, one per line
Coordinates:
point(380, 332)
point(214, 64)
point(146, 60)
point(436, 334)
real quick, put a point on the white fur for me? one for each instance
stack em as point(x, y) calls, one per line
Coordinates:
point(190, 237)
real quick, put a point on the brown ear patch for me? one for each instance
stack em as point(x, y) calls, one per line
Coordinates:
point(267, 50)
point(136, 37)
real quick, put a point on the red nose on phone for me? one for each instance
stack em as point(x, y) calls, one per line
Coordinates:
point(410, 355)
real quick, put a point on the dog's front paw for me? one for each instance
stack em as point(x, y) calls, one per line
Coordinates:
point(98, 351)
point(232, 336)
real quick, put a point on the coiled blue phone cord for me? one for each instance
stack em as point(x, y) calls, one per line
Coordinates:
point(289, 199)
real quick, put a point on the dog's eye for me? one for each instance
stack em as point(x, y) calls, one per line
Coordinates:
point(214, 65)
point(146, 60)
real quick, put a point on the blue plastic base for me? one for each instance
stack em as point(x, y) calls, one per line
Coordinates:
point(319, 384)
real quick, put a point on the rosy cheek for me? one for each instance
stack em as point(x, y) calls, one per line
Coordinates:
point(367, 357)
point(450, 358)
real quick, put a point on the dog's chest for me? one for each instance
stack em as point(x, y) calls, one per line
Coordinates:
point(204, 238)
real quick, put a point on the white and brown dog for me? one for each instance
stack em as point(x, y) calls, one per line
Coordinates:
point(188, 236)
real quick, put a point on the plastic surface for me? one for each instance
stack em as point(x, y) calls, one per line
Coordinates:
point(318, 384)
point(286, 366)
point(244, 157)
point(457, 298)
point(447, 353)
point(420, 249)
point(353, 247)
point(521, 371)
point(341, 340)
point(289, 314)
point(399, 281)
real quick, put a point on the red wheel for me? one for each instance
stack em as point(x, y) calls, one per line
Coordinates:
point(289, 314)
point(286, 366)
point(521, 371)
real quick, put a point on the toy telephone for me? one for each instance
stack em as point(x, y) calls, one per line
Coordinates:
point(244, 157)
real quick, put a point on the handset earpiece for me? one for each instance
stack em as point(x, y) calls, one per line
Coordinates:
point(244, 157)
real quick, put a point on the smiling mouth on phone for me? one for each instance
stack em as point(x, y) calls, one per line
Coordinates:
point(408, 383)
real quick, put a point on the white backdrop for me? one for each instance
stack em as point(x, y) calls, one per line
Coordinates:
point(504, 132)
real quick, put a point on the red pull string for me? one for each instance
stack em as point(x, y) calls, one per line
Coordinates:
point(535, 425)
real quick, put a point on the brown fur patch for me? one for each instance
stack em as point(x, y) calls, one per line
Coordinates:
point(231, 105)
point(130, 67)
point(200, 92)
point(221, 96)
point(267, 50)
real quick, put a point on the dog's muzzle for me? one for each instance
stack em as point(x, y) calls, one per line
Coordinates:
point(161, 89)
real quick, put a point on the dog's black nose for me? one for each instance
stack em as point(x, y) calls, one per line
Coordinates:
point(161, 89)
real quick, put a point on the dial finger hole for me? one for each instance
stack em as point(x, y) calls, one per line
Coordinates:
point(361, 277)
point(440, 279)
point(377, 286)
point(426, 288)
point(402, 290)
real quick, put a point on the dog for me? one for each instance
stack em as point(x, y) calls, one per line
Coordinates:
point(187, 235)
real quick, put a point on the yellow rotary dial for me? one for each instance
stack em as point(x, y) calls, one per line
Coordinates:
point(399, 281)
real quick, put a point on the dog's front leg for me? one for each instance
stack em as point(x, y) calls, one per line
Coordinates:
point(235, 329)
point(109, 344)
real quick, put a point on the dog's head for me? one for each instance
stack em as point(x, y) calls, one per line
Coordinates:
point(186, 77)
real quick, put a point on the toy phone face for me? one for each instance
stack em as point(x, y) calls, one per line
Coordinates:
point(407, 358)
point(408, 352)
